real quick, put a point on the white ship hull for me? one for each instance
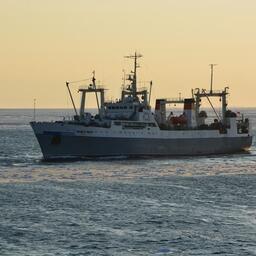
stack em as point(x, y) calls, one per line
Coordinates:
point(60, 140)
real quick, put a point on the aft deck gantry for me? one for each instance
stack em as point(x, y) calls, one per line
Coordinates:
point(203, 93)
point(92, 89)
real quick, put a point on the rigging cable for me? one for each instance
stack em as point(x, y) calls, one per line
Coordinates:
point(203, 90)
point(78, 81)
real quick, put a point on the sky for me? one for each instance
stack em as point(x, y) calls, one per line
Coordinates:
point(47, 42)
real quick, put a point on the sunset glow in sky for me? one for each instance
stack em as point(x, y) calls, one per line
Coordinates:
point(46, 42)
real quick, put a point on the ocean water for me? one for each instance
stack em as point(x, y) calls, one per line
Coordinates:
point(160, 206)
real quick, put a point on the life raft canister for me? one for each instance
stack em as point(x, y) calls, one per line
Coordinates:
point(178, 119)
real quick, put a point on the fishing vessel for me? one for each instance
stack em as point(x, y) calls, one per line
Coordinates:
point(129, 127)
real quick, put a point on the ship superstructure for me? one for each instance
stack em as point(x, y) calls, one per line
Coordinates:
point(128, 126)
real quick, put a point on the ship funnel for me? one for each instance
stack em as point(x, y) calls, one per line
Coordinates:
point(160, 111)
point(189, 112)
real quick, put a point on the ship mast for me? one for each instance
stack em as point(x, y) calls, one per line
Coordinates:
point(211, 65)
point(134, 72)
point(94, 87)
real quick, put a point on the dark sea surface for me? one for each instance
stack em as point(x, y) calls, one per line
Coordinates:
point(160, 206)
